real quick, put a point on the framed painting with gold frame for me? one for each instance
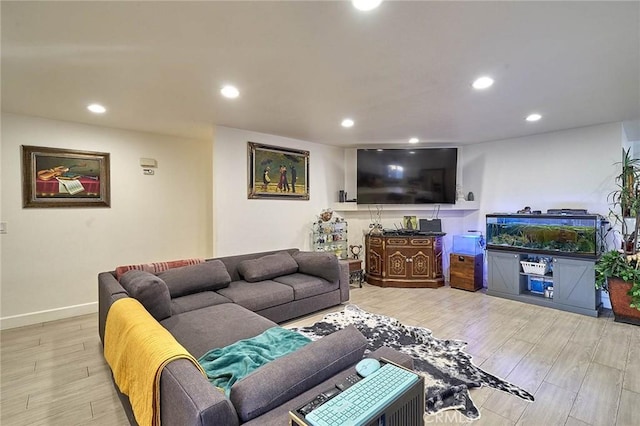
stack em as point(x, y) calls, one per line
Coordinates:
point(54, 177)
point(277, 173)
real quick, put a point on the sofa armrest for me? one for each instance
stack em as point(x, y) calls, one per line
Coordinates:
point(287, 377)
point(344, 280)
point(109, 290)
point(188, 398)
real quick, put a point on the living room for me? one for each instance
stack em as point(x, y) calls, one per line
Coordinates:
point(196, 205)
point(211, 214)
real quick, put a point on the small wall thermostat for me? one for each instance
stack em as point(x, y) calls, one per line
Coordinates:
point(148, 162)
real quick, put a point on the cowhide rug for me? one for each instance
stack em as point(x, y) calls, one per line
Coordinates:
point(448, 371)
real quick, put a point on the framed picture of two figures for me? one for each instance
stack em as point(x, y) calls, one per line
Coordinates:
point(277, 173)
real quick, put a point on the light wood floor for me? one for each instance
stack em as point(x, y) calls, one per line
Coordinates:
point(582, 370)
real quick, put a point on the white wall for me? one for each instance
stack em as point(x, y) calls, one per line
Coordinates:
point(567, 169)
point(245, 225)
point(51, 256)
point(196, 204)
point(457, 219)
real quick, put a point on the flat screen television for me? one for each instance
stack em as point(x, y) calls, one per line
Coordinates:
point(407, 176)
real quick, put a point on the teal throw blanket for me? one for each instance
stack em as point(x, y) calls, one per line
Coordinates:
point(225, 366)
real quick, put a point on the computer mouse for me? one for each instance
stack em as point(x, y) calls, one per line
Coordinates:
point(367, 366)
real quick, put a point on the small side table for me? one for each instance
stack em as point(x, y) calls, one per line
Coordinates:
point(466, 271)
point(355, 271)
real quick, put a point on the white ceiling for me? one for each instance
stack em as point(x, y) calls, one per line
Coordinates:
point(402, 70)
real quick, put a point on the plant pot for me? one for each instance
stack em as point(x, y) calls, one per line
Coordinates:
point(620, 301)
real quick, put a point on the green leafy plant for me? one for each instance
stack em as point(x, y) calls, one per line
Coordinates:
point(625, 203)
point(615, 264)
point(625, 200)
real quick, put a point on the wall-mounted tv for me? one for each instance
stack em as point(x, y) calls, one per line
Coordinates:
point(407, 176)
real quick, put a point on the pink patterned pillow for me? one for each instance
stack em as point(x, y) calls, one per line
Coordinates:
point(157, 267)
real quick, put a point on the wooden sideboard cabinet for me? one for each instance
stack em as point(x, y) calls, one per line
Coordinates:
point(404, 261)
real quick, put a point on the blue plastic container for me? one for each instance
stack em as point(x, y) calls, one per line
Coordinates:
point(538, 285)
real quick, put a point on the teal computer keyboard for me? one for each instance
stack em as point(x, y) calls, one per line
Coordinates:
point(356, 405)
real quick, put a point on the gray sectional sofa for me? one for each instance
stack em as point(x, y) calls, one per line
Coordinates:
point(218, 302)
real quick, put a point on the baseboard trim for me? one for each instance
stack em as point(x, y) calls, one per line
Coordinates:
point(32, 318)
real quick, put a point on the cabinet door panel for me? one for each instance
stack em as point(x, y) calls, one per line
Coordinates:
point(397, 266)
point(420, 265)
point(504, 272)
point(375, 255)
point(435, 258)
point(574, 282)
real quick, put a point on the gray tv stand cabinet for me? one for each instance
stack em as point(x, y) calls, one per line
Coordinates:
point(573, 281)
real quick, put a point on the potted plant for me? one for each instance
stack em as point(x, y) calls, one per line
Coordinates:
point(618, 271)
point(626, 198)
point(619, 275)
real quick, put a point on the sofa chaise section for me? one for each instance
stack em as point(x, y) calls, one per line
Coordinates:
point(215, 327)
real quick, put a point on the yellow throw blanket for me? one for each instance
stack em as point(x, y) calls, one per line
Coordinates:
point(137, 348)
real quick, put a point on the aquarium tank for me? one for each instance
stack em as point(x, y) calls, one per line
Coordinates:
point(565, 235)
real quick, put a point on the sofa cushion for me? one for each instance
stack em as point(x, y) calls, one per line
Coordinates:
point(267, 267)
point(150, 291)
point(257, 297)
point(319, 264)
point(216, 326)
point(195, 301)
point(210, 275)
point(306, 285)
point(277, 382)
point(232, 262)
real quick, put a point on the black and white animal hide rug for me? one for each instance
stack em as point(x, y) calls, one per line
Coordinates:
point(448, 371)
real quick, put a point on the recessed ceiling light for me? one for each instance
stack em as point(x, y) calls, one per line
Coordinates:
point(533, 117)
point(414, 140)
point(97, 109)
point(366, 5)
point(483, 83)
point(347, 122)
point(229, 92)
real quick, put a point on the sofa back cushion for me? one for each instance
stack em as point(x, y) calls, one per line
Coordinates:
point(150, 291)
point(320, 264)
point(207, 276)
point(267, 267)
point(232, 262)
point(285, 378)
